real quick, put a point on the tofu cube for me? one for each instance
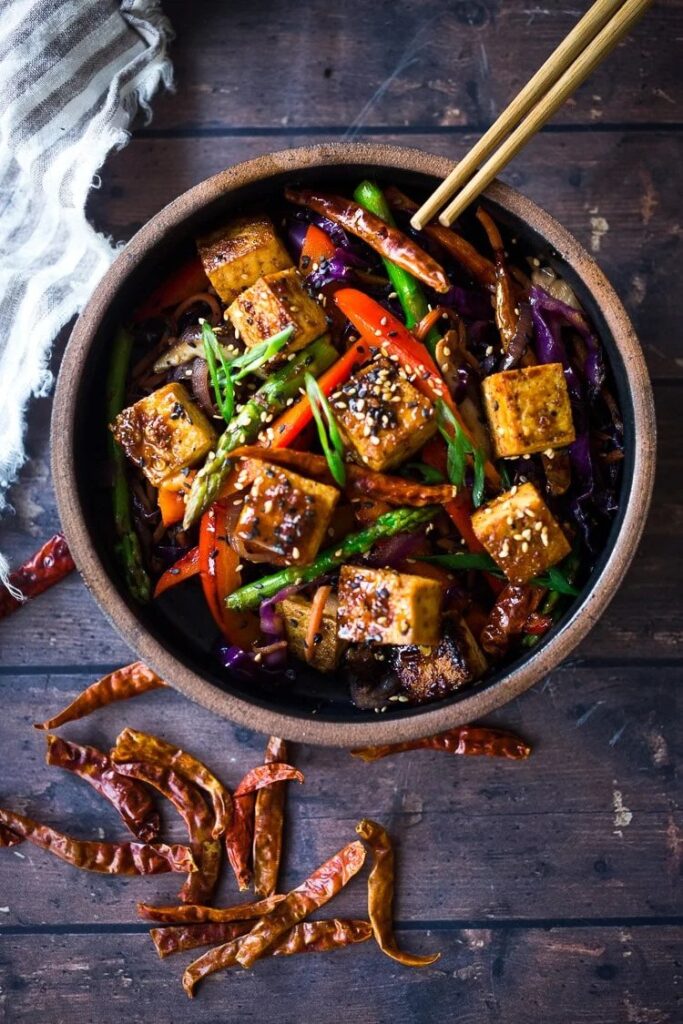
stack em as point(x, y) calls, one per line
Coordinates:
point(237, 254)
point(528, 410)
point(328, 648)
point(385, 607)
point(520, 533)
point(284, 518)
point(426, 674)
point(164, 433)
point(277, 301)
point(382, 417)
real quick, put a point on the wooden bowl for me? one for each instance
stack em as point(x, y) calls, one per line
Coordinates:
point(173, 641)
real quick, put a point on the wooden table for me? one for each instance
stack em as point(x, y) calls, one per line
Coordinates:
point(552, 887)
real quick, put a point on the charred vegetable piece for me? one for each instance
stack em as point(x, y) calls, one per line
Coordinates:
point(199, 914)
point(269, 816)
point(386, 525)
point(50, 564)
point(431, 673)
point(325, 882)
point(307, 937)
point(383, 238)
point(269, 400)
point(383, 418)
point(199, 822)
point(164, 433)
point(528, 410)
point(520, 533)
point(467, 739)
point(132, 745)
point(127, 546)
point(130, 681)
point(508, 618)
point(127, 796)
point(386, 607)
point(327, 648)
point(237, 254)
point(273, 304)
point(105, 858)
point(381, 895)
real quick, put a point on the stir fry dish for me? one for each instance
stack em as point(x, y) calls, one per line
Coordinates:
point(389, 456)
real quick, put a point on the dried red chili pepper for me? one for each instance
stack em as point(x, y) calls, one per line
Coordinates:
point(538, 624)
point(478, 266)
point(306, 937)
point(196, 914)
point(124, 683)
point(238, 839)
point(391, 243)
point(106, 858)
point(50, 564)
point(381, 895)
point(180, 937)
point(359, 482)
point(466, 739)
point(325, 882)
point(269, 816)
point(506, 318)
point(199, 820)
point(132, 745)
point(508, 617)
point(131, 800)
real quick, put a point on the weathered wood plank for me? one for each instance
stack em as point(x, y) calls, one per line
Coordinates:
point(613, 190)
point(569, 975)
point(589, 827)
point(409, 62)
point(65, 627)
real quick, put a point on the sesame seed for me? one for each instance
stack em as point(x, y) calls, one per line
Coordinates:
point(258, 657)
point(525, 547)
point(339, 553)
point(296, 554)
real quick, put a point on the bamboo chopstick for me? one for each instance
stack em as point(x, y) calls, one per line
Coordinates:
point(575, 58)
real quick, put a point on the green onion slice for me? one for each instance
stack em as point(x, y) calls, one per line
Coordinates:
point(328, 431)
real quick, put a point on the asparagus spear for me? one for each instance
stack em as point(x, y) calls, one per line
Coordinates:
point(409, 290)
point(127, 546)
point(243, 429)
point(396, 521)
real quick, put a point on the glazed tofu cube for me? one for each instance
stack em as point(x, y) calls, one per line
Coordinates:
point(164, 433)
point(431, 673)
point(327, 647)
point(528, 410)
point(277, 301)
point(383, 418)
point(386, 607)
point(284, 518)
point(520, 533)
point(236, 255)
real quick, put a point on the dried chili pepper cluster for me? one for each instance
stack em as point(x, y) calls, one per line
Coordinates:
point(249, 822)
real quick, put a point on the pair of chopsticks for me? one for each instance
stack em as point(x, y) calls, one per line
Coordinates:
point(589, 42)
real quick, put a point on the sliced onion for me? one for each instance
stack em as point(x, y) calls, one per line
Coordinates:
point(201, 386)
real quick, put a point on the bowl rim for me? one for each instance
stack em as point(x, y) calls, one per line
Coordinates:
point(521, 677)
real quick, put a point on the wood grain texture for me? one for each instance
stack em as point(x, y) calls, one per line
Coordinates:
point(507, 975)
point(589, 827)
point(552, 887)
point(273, 64)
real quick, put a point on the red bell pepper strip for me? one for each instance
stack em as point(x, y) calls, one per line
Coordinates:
point(170, 496)
point(186, 567)
point(48, 566)
point(317, 246)
point(298, 416)
point(373, 321)
point(182, 283)
point(220, 576)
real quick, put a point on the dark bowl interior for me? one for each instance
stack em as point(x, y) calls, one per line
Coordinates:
point(179, 621)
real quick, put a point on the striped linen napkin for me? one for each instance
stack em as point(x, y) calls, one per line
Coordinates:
point(73, 73)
